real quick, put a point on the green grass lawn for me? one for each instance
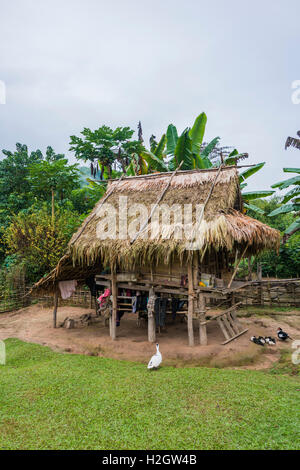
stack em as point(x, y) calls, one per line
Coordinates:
point(62, 401)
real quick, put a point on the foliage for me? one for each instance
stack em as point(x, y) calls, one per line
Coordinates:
point(106, 146)
point(286, 263)
point(15, 188)
point(291, 201)
point(188, 149)
point(57, 175)
point(84, 199)
point(51, 400)
point(32, 236)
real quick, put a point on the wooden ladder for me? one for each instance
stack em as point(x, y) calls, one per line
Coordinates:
point(229, 324)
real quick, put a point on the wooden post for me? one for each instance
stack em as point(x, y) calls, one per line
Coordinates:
point(249, 269)
point(202, 324)
point(151, 321)
point(55, 306)
point(191, 304)
point(195, 270)
point(113, 318)
point(259, 272)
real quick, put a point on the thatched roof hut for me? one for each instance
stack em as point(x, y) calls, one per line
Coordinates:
point(224, 226)
point(163, 233)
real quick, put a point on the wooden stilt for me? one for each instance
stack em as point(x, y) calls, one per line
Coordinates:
point(202, 324)
point(112, 323)
point(195, 270)
point(191, 304)
point(151, 321)
point(55, 306)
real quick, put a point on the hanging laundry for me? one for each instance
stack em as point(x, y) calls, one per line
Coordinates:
point(160, 309)
point(103, 297)
point(67, 288)
point(134, 304)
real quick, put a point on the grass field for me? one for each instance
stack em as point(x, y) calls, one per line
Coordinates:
point(61, 401)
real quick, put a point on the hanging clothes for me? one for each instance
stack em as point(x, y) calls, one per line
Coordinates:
point(160, 309)
point(102, 299)
point(67, 288)
point(134, 304)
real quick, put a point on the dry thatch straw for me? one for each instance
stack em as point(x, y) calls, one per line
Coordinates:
point(224, 226)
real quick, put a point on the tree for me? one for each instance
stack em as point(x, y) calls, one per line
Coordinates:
point(186, 149)
point(105, 147)
point(33, 237)
point(84, 199)
point(15, 189)
point(53, 177)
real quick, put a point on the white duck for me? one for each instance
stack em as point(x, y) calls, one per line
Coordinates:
point(155, 360)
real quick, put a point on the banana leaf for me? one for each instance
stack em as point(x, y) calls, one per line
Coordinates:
point(254, 208)
point(285, 184)
point(202, 163)
point(291, 170)
point(160, 147)
point(295, 225)
point(197, 133)
point(209, 148)
point(251, 195)
point(183, 151)
point(172, 138)
point(284, 209)
point(291, 194)
point(231, 159)
point(154, 162)
point(250, 171)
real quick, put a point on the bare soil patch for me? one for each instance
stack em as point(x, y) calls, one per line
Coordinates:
point(34, 324)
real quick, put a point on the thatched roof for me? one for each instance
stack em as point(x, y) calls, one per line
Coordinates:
point(223, 226)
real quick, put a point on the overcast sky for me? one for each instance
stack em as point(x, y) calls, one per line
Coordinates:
point(71, 64)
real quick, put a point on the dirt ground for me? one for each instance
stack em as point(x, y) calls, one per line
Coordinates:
point(34, 324)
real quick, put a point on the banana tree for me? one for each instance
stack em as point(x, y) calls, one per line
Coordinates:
point(291, 200)
point(249, 196)
point(188, 147)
